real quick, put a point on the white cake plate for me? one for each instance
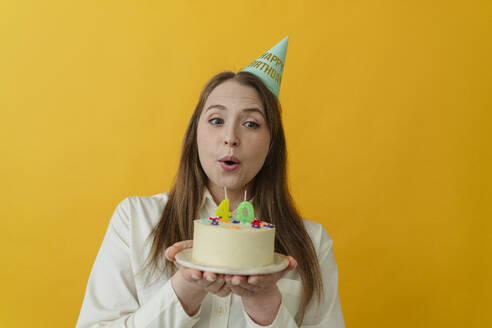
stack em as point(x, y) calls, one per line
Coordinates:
point(280, 262)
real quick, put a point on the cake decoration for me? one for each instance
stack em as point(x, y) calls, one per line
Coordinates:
point(256, 223)
point(245, 205)
point(223, 210)
point(247, 218)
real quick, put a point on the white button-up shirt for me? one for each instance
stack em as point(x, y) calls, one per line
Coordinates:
point(117, 296)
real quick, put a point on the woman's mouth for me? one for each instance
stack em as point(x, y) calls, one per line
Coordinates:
point(229, 163)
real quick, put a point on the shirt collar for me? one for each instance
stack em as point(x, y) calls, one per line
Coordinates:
point(207, 197)
point(208, 206)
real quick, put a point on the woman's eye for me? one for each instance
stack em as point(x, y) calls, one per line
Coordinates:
point(216, 121)
point(253, 125)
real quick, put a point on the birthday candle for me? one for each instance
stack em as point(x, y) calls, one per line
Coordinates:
point(245, 205)
point(223, 209)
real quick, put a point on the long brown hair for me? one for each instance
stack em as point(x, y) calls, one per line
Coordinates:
point(272, 199)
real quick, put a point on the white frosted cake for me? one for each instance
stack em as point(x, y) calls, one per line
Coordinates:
point(232, 244)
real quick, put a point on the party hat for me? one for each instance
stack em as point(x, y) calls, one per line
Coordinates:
point(270, 66)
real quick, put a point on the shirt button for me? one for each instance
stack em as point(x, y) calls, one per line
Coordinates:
point(220, 310)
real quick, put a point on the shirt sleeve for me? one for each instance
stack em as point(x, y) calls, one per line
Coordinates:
point(111, 296)
point(328, 313)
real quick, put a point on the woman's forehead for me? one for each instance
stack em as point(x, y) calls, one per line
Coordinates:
point(235, 94)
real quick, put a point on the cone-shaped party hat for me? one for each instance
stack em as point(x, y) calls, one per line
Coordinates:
point(270, 66)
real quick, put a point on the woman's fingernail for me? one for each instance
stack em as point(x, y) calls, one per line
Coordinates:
point(210, 279)
point(194, 276)
point(253, 281)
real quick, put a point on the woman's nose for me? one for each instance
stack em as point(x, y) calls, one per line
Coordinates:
point(231, 139)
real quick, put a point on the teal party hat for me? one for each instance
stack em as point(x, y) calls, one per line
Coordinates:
point(270, 66)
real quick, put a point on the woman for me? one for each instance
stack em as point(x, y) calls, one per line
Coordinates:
point(135, 282)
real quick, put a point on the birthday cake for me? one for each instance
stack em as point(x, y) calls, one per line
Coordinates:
point(233, 244)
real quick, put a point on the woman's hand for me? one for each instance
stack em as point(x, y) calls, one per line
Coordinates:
point(260, 294)
point(190, 285)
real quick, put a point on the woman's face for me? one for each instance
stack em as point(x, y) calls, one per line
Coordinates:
point(232, 135)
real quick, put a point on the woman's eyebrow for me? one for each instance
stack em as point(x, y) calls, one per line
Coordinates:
point(215, 106)
point(251, 110)
point(254, 110)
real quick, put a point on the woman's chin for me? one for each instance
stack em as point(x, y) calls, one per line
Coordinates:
point(230, 183)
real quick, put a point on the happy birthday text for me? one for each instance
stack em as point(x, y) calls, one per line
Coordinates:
point(269, 69)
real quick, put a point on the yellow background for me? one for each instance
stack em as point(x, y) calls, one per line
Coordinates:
point(387, 110)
